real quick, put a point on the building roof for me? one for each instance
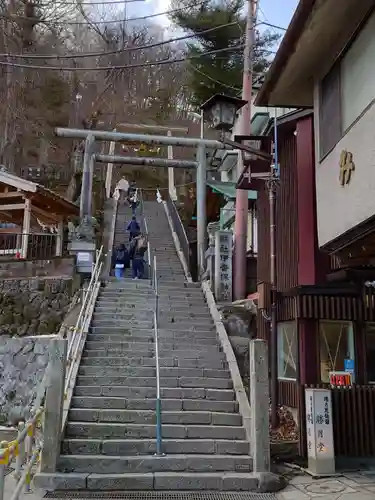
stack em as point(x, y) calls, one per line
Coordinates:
point(49, 204)
point(228, 190)
point(315, 38)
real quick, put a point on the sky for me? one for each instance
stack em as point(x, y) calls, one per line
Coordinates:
point(277, 12)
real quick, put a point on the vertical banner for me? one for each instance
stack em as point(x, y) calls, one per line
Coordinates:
point(223, 266)
point(319, 431)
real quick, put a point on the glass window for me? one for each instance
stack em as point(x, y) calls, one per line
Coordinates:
point(335, 345)
point(288, 350)
point(370, 352)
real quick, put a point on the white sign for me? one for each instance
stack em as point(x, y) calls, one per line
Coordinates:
point(84, 257)
point(223, 266)
point(319, 432)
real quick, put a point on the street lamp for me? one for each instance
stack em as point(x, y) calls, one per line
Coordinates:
point(221, 110)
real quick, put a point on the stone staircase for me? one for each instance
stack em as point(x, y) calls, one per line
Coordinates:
point(109, 441)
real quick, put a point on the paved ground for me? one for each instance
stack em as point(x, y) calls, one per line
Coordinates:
point(351, 486)
point(10, 485)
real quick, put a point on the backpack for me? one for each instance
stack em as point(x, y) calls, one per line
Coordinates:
point(120, 255)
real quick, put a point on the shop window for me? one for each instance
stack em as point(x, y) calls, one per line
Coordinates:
point(370, 352)
point(288, 350)
point(335, 345)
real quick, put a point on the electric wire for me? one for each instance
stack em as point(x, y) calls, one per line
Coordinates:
point(78, 3)
point(116, 51)
point(113, 21)
point(159, 62)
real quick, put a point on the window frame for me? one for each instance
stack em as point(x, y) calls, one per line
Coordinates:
point(366, 325)
point(351, 344)
point(280, 350)
point(335, 74)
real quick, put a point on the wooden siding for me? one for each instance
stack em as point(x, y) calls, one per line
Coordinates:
point(286, 227)
point(287, 214)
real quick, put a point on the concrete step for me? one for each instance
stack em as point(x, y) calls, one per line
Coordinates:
point(101, 464)
point(96, 430)
point(148, 351)
point(145, 393)
point(142, 310)
point(167, 332)
point(120, 403)
point(183, 382)
point(148, 371)
point(159, 481)
point(149, 417)
point(120, 447)
point(146, 334)
point(124, 313)
point(150, 362)
point(166, 347)
point(163, 322)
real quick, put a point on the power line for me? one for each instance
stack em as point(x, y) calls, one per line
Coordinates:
point(78, 3)
point(116, 51)
point(120, 51)
point(113, 21)
point(161, 62)
point(213, 79)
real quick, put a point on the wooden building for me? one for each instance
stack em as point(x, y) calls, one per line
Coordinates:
point(33, 219)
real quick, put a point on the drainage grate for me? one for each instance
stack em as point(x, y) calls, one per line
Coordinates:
point(157, 495)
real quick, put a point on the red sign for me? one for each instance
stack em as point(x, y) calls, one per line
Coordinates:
point(342, 379)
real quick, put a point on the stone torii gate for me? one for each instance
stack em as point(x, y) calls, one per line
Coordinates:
point(202, 145)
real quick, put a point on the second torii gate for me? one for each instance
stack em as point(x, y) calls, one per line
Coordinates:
point(201, 165)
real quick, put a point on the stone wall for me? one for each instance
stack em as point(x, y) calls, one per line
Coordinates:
point(34, 306)
point(58, 266)
point(23, 363)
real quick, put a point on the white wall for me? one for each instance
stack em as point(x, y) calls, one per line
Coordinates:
point(340, 208)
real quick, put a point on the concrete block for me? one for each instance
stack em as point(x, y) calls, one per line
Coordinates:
point(116, 482)
point(220, 394)
point(215, 432)
point(119, 447)
point(211, 406)
point(240, 482)
point(187, 481)
point(81, 446)
point(231, 447)
point(232, 419)
point(211, 383)
point(59, 481)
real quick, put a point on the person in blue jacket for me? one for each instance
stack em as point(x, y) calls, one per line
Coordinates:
point(133, 227)
point(121, 261)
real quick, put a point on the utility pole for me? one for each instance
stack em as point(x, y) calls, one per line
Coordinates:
point(241, 220)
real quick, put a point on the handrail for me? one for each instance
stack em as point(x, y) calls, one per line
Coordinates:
point(149, 256)
point(24, 448)
point(179, 229)
point(159, 434)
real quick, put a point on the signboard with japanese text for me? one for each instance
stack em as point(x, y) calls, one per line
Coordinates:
point(319, 432)
point(223, 266)
point(342, 379)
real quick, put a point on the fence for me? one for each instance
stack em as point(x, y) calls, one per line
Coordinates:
point(27, 448)
point(180, 230)
point(32, 246)
point(353, 419)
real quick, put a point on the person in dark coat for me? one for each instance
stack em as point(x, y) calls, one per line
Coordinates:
point(121, 261)
point(133, 228)
point(138, 248)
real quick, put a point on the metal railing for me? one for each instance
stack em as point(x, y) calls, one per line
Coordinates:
point(145, 231)
point(29, 246)
point(26, 449)
point(179, 229)
point(159, 434)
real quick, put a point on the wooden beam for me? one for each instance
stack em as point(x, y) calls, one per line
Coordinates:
point(50, 216)
point(16, 206)
point(11, 194)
